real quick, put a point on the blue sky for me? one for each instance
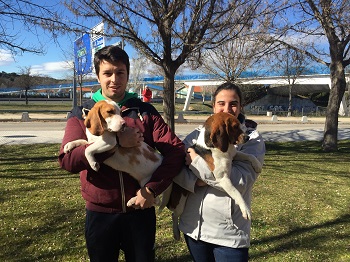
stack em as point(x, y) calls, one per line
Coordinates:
point(54, 62)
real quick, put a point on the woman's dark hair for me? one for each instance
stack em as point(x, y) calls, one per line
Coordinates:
point(111, 54)
point(229, 86)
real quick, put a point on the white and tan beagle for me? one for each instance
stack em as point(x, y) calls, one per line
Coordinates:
point(218, 138)
point(216, 145)
point(102, 123)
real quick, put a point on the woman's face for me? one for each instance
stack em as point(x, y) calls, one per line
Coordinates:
point(227, 101)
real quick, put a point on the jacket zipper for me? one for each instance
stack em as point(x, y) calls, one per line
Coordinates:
point(122, 188)
point(122, 191)
point(138, 112)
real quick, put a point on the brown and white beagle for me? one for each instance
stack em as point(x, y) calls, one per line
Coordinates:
point(216, 145)
point(102, 123)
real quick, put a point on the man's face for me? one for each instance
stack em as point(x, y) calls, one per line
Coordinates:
point(113, 79)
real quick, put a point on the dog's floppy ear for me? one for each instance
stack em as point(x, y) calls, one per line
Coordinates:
point(224, 130)
point(208, 126)
point(234, 130)
point(215, 132)
point(220, 137)
point(93, 120)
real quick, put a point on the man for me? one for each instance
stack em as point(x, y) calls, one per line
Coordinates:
point(147, 95)
point(111, 225)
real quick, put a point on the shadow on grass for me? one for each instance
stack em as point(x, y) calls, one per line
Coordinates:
point(26, 159)
point(44, 242)
point(64, 224)
point(305, 238)
point(287, 148)
point(172, 247)
point(305, 159)
point(33, 168)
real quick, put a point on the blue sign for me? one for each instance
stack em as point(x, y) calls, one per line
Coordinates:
point(97, 44)
point(82, 55)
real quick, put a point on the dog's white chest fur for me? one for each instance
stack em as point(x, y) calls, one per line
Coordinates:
point(222, 160)
point(222, 163)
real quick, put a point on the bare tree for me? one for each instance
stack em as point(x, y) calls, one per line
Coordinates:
point(241, 55)
point(138, 70)
point(79, 78)
point(167, 32)
point(204, 92)
point(291, 64)
point(26, 81)
point(325, 25)
point(22, 15)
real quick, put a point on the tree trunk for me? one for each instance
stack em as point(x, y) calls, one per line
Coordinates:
point(26, 95)
point(169, 100)
point(338, 85)
point(290, 101)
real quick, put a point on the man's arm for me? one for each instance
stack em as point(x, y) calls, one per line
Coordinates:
point(75, 160)
point(173, 152)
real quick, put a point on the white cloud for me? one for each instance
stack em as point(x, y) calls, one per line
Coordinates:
point(6, 57)
point(52, 68)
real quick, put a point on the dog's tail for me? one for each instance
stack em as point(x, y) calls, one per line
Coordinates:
point(176, 230)
point(165, 198)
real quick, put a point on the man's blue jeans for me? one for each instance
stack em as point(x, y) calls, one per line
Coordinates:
point(206, 252)
point(132, 232)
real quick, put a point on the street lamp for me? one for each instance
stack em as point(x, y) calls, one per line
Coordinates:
point(123, 34)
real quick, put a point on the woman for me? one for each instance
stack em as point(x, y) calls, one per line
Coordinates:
point(212, 224)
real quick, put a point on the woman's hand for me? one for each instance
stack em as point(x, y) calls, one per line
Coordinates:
point(200, 182)
point(190, 155)
point(130, 137)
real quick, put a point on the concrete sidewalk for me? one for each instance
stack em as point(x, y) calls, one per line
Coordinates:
point(189, 118)
point(49, 128)
point(22, 117)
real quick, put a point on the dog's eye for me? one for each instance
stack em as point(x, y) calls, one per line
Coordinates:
point(110, 111)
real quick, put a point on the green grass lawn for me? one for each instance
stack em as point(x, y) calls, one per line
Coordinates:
point(301, 205)
point(36, 106)
point(195, 106)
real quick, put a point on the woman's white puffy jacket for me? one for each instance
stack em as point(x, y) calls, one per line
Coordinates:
point(211, 215)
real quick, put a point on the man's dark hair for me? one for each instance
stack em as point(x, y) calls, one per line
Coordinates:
point(111, 54)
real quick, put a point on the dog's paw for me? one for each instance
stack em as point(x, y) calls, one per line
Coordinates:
point(256, 165)
point(131, 202)
point(246, 213)
point(68, 147)
point(95, 166)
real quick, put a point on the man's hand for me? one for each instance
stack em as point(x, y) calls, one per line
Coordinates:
point(130, 137)
point(144, 198)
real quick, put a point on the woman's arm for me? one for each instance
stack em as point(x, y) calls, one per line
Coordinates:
point(186, 179)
